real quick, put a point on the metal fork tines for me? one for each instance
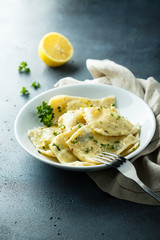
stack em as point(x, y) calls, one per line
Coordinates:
point(126, 168)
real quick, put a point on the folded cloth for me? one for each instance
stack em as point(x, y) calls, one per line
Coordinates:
point(147, 163)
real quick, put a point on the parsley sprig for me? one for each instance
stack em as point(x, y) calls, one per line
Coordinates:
point(23, 67)
point(35, 85)
point(46, 114)
point(24, 91)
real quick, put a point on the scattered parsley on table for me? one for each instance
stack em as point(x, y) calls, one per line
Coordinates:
point(35, 85)
point(24, 91)
point(23, 67)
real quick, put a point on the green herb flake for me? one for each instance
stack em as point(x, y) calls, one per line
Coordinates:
point(55, 134)
point(58, 148)
point(46, 114)
point(118, 117)
point(112, 114)
point(23, 67)
point(117, 141)
point(104, 146)
point(86, 150)
point(80, 125)
point(24, 91)
point(90, 137)
point(59, 109)
point(74, 142)
point(62, 126)
point(36, 85)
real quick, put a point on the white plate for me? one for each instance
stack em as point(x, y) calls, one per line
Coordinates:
point(129, 105)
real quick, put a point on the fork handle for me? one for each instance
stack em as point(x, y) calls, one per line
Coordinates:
point(147, 189)
point(141, 184)
point(128, 170)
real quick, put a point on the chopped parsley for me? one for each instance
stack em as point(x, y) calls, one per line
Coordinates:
point(59, 109)
point(74, 142)
point(46, 114)
point(112, 114)
point(118, 117)
point(90, 137)
point(55, 134)
point(80, 125)
point(62, 126)
point(56, 146)
point(35, 85)
point(24, 91)
point(23, 67)
point(86, 150)
point(104, 146)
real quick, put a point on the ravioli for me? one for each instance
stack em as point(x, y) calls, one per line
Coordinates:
point(41, 138)
point(63, 103)
point(71, 118)
point(86, 144)
point(108, 122)
point(61, 150)
point(82, 129)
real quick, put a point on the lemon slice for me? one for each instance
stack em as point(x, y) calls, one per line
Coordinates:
point(55, 49)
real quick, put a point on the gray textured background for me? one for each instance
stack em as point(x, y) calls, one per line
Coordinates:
point(38, 201)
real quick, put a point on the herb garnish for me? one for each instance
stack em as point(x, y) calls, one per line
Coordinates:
point(74, 142)
point(62, 126)
point(80, 125)
point(45, 114)
point(23, 67)
point(86, 150)
point(59, 109)
point(35, 85)
point(24, 91)
point(118, 117)
point(56, 146)
point(90, 137)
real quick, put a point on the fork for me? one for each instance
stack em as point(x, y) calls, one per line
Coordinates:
point(126, 168)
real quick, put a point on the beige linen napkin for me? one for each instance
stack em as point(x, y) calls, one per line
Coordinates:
point(147, 163)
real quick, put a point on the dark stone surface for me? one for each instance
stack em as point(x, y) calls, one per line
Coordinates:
point(38, 201)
